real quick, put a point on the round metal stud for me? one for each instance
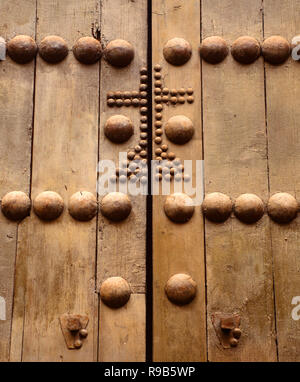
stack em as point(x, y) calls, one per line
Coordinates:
point(78, 343)
point(115, 292)
point(143, 87)
point(119, 53)
point(282, 207)
point(248, 208)
point(276, 50)
point(181, 99)
point(87, 50)
point(48, 205)
point(245, 49)
point(158, 124)
point(15, 205)
point(118, 128)
point(158, 132)
point(177, 51)
point(157, 67)
point(181, 91)
point(111, 102)
point(144, 78)
point(179, 129)
point(190, 99)
point(53, 49)
point(83, 206)
point(164, 147)
point(233, 342)
point(116, 206)
point(179, 207)
point(158, 116)
point(158, 140)
point(143, 70)
point(214, 49)
point(157, 91)
point(83, 333)
point(217, 207)
point(190, 91)
point(181, 289)
point(236, 332)
point(22, 49)
point(165, 91)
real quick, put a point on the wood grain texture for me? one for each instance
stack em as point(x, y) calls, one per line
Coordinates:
point(56, 260)
point(283, 115)
point(16, 103)
point(122, 246)
point(239, 259)
point(178, 332)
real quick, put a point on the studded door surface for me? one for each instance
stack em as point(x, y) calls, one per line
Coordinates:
point(149, 180)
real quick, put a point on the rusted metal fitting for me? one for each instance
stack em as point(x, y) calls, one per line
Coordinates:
point(116, 206)
point(15, 205)
point(177, 51)
point(119, 53)
point(181, 289)
point(74, 330)
point(214, 49)
point(83, 206)
point(245, 50)
point(217, 207)
point(115, 292)
point(276, 50)
point(53, 49)
point(118, 128)
point(249, 208)
point(22, 49)
point(179, 207)
point(226, 326)
point(87, 50)
point(179, 129)
point(282, 207)
point(48, 205)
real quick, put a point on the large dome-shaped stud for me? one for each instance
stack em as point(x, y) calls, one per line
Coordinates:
point(119, 53)
point(177, 51)
point(181, 289)
point(248, 208)
point(115, 206)
point(22, 49)
point(83, 206)
point(179, 207)
point(87, 50)
point(179, 129)
point(53, 49)
point(276, 50)
point(217, 207)
point(214, 49)
point(48, 205)
point(282, 207)
point(245, 49)
point(118, 128)
point(15, 205)
point(115, 292)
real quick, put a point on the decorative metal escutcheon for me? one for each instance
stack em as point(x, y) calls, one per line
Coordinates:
point(74, 330)
point(227, 328)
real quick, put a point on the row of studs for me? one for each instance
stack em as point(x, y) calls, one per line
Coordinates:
point(248, 208)
point(180, 289)
point(49, 205)
point(214, 49)
point(87, 50)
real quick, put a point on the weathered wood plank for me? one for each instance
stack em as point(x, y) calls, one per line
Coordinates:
point(56, 260)
point(16, 103)
point(239, 259)
point(122, 246)
point(179, 333)
point(283, 115)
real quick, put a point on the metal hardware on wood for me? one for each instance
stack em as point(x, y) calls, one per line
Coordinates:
point(74, 330)
point(226, 326)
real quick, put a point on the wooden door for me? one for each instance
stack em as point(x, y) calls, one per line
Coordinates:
point(154, 153)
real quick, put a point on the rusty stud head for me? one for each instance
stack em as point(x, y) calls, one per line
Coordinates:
point(179, 207)
point(118, 128)
point(15, 205)
point(236, 332)
point(217, 207)
point(119, 53)
point(48, 205)
point(214, 49)
point(116, 206)
point(22, 49)
point(78, 344)
point(275, 50)
point(177, 51)
point(130, 155)
point(179, 129)
point(143, 70)
point(282, 207)
point(157, 67)
point(233, 342)
point(245, 49)
point(73, 323)
point(181, 289)
point(87, 50)
point(83, 206)
point(248, 208)
point(53, 49)
point(83, 333)
point(115, 292)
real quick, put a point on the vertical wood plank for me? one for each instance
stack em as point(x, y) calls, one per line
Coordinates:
point(179, 332)
point(56, 260)
point(239, 258)
point(283, 115)
point(122, 246)
point(16, 104)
